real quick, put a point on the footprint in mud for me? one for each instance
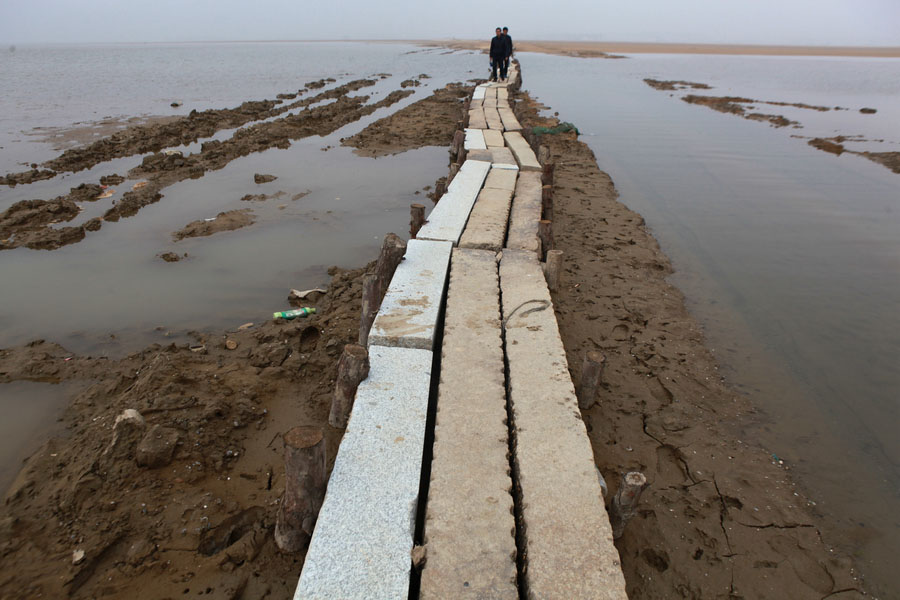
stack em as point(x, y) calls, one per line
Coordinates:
point(620, 333)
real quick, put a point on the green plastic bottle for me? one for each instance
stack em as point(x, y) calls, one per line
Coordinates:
point(293, 314)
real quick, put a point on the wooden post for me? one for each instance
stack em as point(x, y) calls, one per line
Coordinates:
point(440, 188)
point(553, 269)
point(392, 250)
point(625, 502)
point(547, 202)
point(545, 232)
point(543, 154)
point(591, 372)
point(547, 173)
point(459, 143)
point(454, 169)
point(416, 219)
point(370, 304)
point(305, 478)
point(353, 367)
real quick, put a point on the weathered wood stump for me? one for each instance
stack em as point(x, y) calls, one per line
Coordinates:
point(625, 502)
point(591, 373)
point(543, 154)
point(304, 488)
point(454, 169)
point(547, 202)
point(353, 367)
point(553, 268)
point(547, 173)
point(370, 304)
point(392, 250)
point(545, 233)
point(458, 145)
point(416, 219)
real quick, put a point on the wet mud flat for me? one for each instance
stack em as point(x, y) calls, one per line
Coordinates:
point(744, 107)
point(168, 473)
point(181, 501)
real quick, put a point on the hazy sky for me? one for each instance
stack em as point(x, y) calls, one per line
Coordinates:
point(802, 22)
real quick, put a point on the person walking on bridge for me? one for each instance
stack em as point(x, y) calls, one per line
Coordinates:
point(498, 55)
point(509, 51)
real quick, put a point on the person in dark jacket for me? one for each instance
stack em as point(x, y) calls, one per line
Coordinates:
point(509, 51)
point(498, 55)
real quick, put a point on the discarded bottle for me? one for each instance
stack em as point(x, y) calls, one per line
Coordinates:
point(293, 314)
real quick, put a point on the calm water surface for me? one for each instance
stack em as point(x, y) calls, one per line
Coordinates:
point(789, 256)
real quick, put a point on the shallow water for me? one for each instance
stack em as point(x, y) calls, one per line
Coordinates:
point(112, 284)
point(30, 413)
point(789, 256)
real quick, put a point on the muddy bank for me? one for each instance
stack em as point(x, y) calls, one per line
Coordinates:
point(224, 221)
point(153, 137)
point(734, 105)
point(184, 502)
point(428, 122)
point(835, 145)
point(676, 85)
point(721, 517)
point(165, 168)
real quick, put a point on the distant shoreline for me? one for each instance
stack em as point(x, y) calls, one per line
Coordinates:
point(601, 49)
point(562, 48)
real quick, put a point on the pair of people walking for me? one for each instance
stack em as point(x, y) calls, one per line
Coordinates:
point(501, 51)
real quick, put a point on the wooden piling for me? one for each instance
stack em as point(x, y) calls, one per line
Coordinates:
point(392, 250)
point(370, 303)
point(353, 367)
point(454, 169)
point(553, 269)
point(591, 373)
point(625, 502)
point(304, 488)
point(416, 219)
point(543, 154)
point(458, 145)
point(547, 173)
point(545, 233)
point(547, 202)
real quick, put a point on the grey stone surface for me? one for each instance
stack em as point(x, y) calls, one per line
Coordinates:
point(486, 229)
point(503, 95)
point(469, 527)
point(490, 102)
point(502, 158)
point(448, 218)
point(475, 139)
point(525, 157)
point(476, 118)
point(479, 92)
point(409, 312)
point(492, 117)
point(502, 179)
point(568, 540)
point(525, 213)
point(361, 545)
point(493, 138)
point(510, 123)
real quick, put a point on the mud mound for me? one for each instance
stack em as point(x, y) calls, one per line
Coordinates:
point(428, 122)
point(224, 221)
